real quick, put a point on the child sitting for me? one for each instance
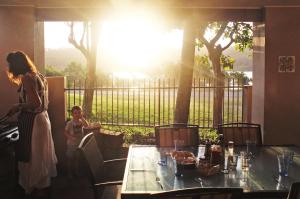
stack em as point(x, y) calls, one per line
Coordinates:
point(74, 133)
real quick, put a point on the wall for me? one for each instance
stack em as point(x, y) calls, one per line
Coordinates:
point(16, 33)
point(57, 114)
point(282, 95)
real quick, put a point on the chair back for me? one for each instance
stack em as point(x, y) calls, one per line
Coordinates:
point(165, 135)
point(240, 133)
point(203, 193)
point(94, 159)
point(294, 191)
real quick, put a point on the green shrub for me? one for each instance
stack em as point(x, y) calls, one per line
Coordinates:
point(135, 135)
point(209, 134)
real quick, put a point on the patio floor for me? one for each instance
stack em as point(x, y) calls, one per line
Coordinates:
point(62, 188)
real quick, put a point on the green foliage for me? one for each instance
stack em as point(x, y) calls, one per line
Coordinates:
point(227, 62)
point(202, 66)
point(241, 78)
point(52, 71)
point(240, 33)
point(134, 135)
point(75, 71)
point(209, 134)
point(144, 135)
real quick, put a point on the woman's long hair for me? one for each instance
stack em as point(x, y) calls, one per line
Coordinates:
point(19, 64)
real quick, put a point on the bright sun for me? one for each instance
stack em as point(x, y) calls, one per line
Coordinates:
point(137, 42)
point(133, 42)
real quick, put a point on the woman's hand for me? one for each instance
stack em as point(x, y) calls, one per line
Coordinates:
point(13, 110)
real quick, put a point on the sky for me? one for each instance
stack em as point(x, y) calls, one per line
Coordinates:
point(126, 45)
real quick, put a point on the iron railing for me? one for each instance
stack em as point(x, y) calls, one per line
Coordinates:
point(151, 102)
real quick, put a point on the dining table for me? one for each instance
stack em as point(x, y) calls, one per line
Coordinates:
point(144, 174)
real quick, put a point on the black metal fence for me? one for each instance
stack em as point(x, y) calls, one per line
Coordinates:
point(151, 102)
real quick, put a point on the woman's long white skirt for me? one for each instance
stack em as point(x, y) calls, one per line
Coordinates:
point(38, 171)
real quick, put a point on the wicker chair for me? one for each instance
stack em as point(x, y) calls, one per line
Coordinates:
point(101, 173)
point(166, 134)
point(203, 193)
point(240, 133)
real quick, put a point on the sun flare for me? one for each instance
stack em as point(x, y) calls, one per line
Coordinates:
point(137, 42)
point(128, 42)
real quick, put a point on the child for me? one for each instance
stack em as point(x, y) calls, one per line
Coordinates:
point(74, 133)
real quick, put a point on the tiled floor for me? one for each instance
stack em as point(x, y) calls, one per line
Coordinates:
point(64, 188)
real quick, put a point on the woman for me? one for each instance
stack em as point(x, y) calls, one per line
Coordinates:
point(34, 150)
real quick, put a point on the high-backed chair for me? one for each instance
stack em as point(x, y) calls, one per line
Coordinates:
point(240, 133)
point(101, 173)
point(294, 191)
point(166, 134)
point(203, 193)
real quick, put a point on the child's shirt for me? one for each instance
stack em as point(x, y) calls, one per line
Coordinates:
point(75, 129)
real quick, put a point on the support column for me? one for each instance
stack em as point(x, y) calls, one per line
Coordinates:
point(186, 73)
point(280, 104)
point(39, 46)
point(57, 115)
point(258, 88)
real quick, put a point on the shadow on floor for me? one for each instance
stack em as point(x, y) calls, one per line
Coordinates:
point(64, 188)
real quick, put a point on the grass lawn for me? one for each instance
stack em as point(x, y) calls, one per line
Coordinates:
point(148, 109)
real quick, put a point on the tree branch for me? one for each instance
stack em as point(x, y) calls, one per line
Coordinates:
point(219, 33)
point(72, 40)
point(230, 42)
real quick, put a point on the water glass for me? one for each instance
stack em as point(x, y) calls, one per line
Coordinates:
point(163, 157)
point(251, 148)
point(179, 144)
point(291, 156)
point(178, 168)
point(232, 162)
point(230, 148)
point(244, 161)
point(283, 164)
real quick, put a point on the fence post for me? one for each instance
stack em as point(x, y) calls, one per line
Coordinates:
point(247, 104)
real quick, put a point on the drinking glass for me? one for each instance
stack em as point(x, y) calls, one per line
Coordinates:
point(283, 164)
point(232, 162)
point(230, 148)
point(179, 144)
point(251, 148)
point(178, 168)
point(291, 156)
point(244, 161)
point(163, 157)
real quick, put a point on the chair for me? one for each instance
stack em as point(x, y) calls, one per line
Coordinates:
point(197, 193)
point(240, 133)
point(166, 134)
point(294, 191)
point(101, 173)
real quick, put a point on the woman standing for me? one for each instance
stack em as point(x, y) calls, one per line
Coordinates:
point(35, 150)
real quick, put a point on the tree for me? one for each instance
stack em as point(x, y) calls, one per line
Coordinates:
point(75, 71)
point(52, 71)
point(202, 67)
point(87, 45)
point(238, 33)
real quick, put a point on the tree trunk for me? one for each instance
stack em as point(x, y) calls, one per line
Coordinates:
point(91, 74)
point(218, 92)
point(186, 75)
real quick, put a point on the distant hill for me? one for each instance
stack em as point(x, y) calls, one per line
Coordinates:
point(61, 57)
